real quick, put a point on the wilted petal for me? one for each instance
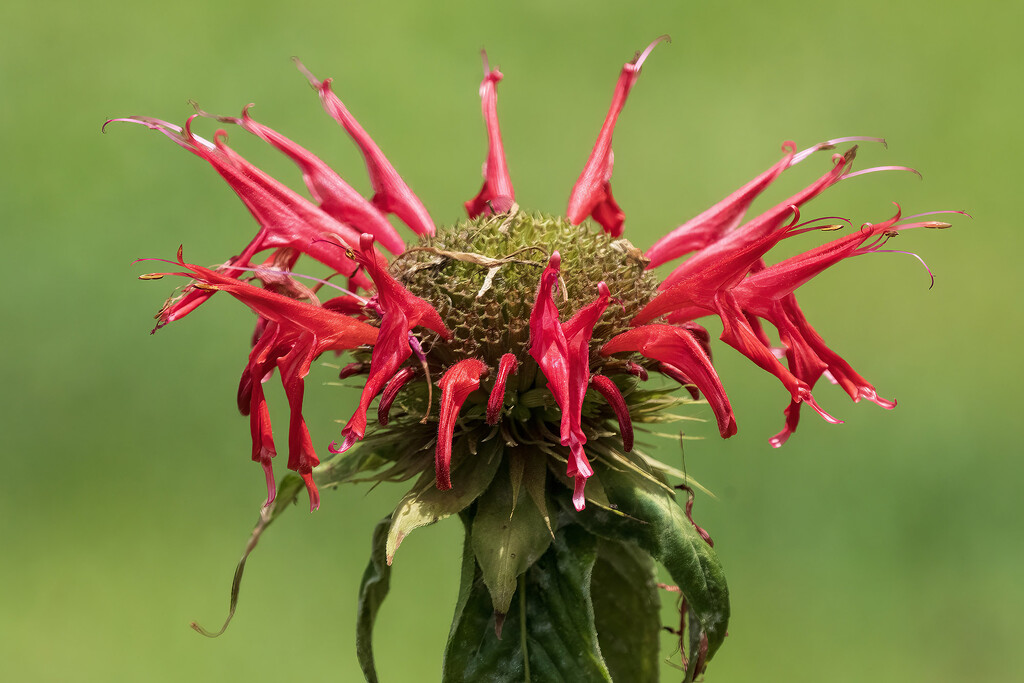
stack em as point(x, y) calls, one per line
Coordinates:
point(592, 193)
point(497, 194)
point(458, 383)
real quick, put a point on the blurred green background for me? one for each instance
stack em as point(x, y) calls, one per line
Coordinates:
point(885, 549)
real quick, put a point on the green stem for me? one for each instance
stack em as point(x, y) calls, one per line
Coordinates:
point(522, 627)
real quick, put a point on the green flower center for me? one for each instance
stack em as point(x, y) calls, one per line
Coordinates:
point(482, 276)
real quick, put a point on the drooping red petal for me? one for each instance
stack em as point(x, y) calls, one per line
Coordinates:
point(458, 383)
point(336, 197)
point(255, 406)
point(508, 364)
point(295, 334)
point(592, 193)
point(294, 366)
point(578, 331)
point(610, 391)
point(496, 195)
point(394, 385)
point(562, 352)
point(392, 195)
point(677, 347)
point(400, 311)
point(547, 340)
point(738, 333)
point(672, 372)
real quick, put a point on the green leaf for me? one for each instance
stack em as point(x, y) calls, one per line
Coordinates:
point(535, 472)
point(425, 504)
point(648, 515)
point(507, 537)
point(372, 591)
point(548, 635)
point(627, 611)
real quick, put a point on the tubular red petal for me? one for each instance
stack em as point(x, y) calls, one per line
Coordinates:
point(547, 340)
point(592, 193)
point(394, 385)
point(578, 331)
point(294, 335)
point(714, 223)
point(497, 194)
point(286, 219)
point(262, 435)
point(562, 350)
point(760, 230)
point(678, 348)
point(332, 331)
point(336, 197)
point(672, 372)
point(294, 366)
point(701, 286)
point(392, 195)
point(508, 364)
point(638, 370)
point(393, 298)
point(610, 391)
point(314, 494)
point(352, 369)
point(400, 311)
point(458, 383)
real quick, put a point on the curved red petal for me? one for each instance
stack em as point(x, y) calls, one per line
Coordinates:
point(458, 383)
point(610, 391)
point(508, 364)
point(496, 195)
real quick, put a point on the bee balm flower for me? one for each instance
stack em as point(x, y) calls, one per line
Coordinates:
point(511, 354)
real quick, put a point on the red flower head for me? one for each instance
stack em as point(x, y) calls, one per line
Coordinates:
point(515, 318)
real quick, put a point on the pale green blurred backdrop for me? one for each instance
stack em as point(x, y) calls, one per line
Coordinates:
point(885, 549)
